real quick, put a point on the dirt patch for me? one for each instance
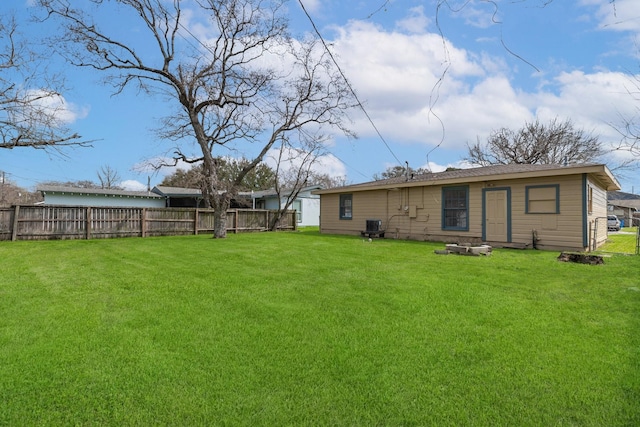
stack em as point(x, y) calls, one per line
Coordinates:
point(581, 258)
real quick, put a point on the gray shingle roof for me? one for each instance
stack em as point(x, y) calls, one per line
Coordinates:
point(177, 191)
point(95, 191)
point(484, 173)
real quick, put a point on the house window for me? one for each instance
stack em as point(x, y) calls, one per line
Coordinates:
point(297, 205)
point(542, 199)
point(590, 200)
point(455, 208)
point(346, 211)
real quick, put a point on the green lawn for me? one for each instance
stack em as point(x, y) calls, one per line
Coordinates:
point(307, 329)
point(623, 243)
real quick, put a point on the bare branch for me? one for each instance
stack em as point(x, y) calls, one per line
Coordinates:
point(536, 143)
point(223, 93)
point(108, 177)
point(31, 104)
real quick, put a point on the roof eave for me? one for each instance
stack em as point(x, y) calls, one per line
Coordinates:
point(599, 170)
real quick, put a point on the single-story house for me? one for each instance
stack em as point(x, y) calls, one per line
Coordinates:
point(179, 197)
point(527, 206)
point(158, 197)
point(71, 196)
point(306, 204)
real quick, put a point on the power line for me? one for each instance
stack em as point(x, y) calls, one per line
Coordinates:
point(208, 48)
point(383, 6)
point(353, 92)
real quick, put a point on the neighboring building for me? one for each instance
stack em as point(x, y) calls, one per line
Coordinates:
point(178, 197)
point(70, 196)
point(306, 204)
point(625, 206)
point(542, 206)
point(158, 197)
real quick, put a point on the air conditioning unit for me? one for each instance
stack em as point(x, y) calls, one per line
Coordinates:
point(374, 225)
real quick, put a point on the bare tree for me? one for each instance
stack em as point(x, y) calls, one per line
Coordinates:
point(12, 194)
point(225, 94)
point(398, 171)
point(294, 172)
point(629, 127)
point(30, 99)
point(108, 177)
point(83, 183)
point(536, 143)
point(187, 178)
point(629, 130)
point(325, 180)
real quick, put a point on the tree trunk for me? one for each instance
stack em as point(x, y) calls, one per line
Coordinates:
point(220, 203)
point(220, 224)
point(275, 222)
point(218, 199)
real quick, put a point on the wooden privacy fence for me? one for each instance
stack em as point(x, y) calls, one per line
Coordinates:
point(81, 222)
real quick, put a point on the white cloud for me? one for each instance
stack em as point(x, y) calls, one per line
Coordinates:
point(331, 165)
point(416, 22)
point(133, 185)
point(411, 99)
point(478, 15)
point(55, 106)
point(312, 5)
point(618, 15)
point(408, 83)
point(435, 167)
point(592, 101)
point(397, 80)
point(325, 164)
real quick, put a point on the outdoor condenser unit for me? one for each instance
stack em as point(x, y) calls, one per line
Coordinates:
point(374, 225)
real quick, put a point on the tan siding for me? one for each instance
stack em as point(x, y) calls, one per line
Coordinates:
point(597, 218)
point(416, 213)
point(562, 230)
point(366, 205)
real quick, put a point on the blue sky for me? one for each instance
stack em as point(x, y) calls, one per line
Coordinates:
point(569, 59)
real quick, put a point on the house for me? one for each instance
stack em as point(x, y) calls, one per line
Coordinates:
point(526, 206)
point(178, 197)
point(625, 206)
point(158, 197)
point(70, 196)
point(306, 204)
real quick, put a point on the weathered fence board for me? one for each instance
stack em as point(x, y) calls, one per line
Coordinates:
point(43, 222)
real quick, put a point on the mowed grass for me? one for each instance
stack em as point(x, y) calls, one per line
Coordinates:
point(308, 329)
point(622, 243)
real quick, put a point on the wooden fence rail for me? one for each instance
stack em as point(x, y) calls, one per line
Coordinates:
point(43, 222)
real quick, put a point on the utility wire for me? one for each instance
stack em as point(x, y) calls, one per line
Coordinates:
point(353, 92)
point(206, 47)
point(383, 6)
